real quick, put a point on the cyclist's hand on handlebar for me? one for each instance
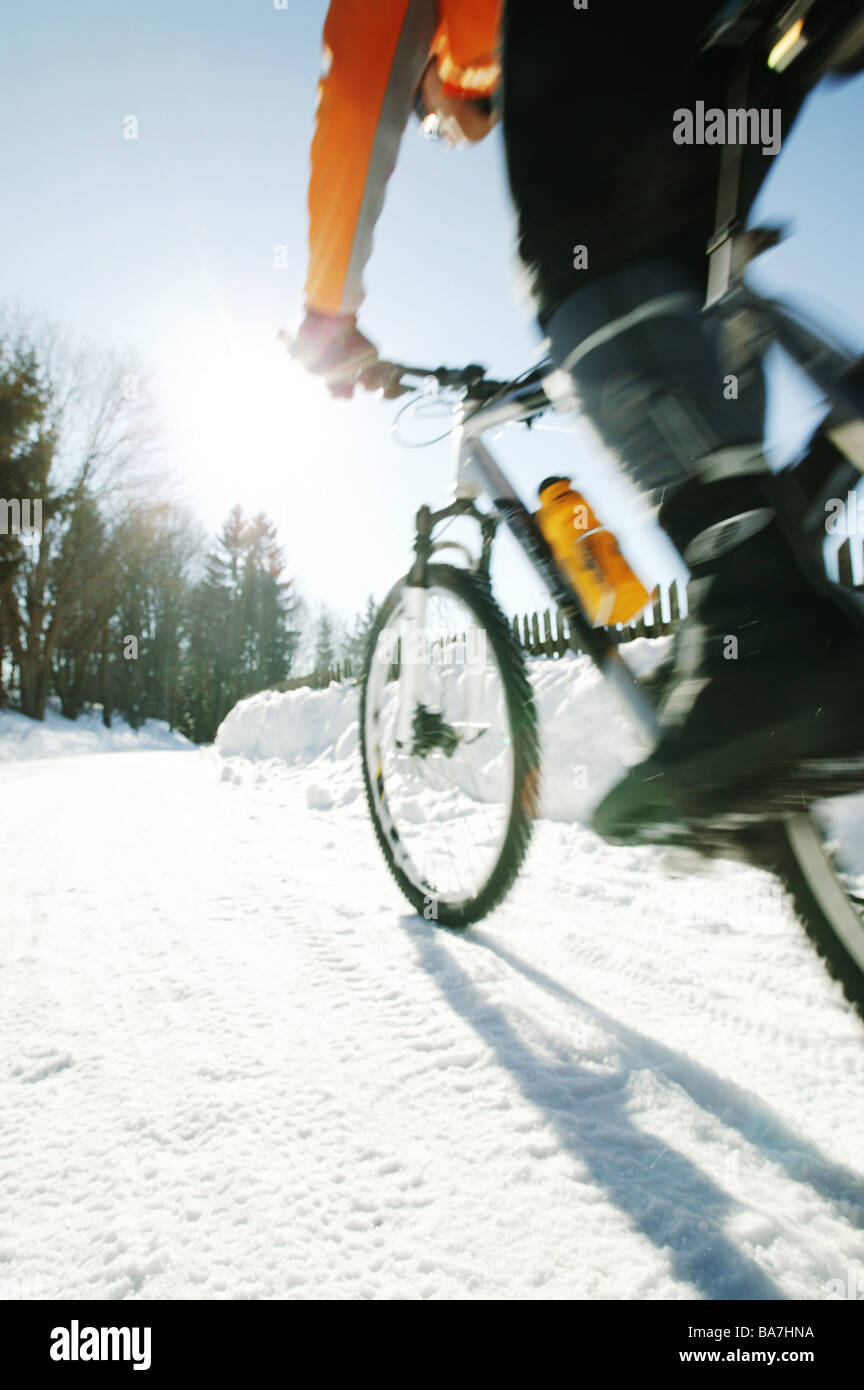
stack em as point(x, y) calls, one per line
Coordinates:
point(332, 346)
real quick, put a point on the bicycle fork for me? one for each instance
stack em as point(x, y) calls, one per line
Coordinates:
point(414, 649)
point(412, 623)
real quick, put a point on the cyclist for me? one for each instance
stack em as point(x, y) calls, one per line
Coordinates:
point(767, 668)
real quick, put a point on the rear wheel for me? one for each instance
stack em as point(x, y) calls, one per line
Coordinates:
point(819, 857)
point(452, 801)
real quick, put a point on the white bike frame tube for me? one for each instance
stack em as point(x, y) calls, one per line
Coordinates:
point(469, 484)
point(413, 620)
point(477, 469)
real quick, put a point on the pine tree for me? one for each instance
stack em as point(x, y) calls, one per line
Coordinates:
point(325, 652)
point(84, 574)
point(243, 631)
point(82, 454)
point(27, 445)
point(269, 608)
point(139, 667)
point(355, 645)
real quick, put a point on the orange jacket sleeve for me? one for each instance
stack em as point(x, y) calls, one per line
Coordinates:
point(375, 52)
point(374, 56)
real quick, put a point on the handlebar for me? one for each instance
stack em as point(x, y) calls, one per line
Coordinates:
point(394, 379)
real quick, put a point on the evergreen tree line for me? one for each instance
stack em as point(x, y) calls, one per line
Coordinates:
point(109, 594)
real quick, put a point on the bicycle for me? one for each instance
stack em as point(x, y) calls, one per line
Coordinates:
point(428, 701)
point(448, 723)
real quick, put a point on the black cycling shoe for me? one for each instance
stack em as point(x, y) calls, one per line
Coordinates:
point(761, 709)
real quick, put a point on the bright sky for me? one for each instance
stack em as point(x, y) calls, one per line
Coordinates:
point(170, 245)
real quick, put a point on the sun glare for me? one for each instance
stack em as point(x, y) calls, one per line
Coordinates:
point(238, 412)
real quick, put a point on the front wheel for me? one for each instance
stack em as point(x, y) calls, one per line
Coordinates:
point(449, 743)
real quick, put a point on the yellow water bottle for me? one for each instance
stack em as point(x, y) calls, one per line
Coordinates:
point(589, 555)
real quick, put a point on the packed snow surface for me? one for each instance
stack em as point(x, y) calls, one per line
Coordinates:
point(236, 1064)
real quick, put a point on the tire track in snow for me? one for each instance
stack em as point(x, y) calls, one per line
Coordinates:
point(321, 1096)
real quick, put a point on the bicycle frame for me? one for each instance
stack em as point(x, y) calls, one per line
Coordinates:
point(477, 472)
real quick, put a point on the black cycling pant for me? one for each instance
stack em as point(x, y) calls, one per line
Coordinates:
point(588, 103)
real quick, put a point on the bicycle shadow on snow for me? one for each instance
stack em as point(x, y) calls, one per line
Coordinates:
point(594, 1125)
point(730, 1103)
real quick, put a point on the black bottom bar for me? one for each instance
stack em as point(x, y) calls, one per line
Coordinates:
point(225, 1340)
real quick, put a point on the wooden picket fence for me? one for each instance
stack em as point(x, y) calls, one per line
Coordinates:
point(538, 634)
point(547, 634)
point(320, 679)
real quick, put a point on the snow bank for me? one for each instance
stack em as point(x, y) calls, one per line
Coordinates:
point(586, 737)
point(56, 737)
point(587, 740)
point(295, 725)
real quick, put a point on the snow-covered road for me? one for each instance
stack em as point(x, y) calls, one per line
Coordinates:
point(235, 1066)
